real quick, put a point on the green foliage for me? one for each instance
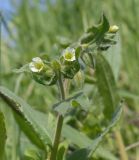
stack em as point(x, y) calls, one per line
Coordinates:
point(28, 119)
point(53, 29)
point(83, 142)
point(96, 33)
point(32, 155)
point(86, 153)
point(106, 85)
point(3, 136)
point(77, 100)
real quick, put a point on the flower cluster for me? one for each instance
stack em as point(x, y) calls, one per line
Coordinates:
point(96, 38)
point(47, 74)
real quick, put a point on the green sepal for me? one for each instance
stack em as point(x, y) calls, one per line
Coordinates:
point(56, 66)
point(69, 69)
point(87, 38)
point(46, 77)
point(88, 59)
point(78, 52)
point(79, 79)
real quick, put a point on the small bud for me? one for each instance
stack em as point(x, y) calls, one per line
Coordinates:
point(56, 65)
point(113, 29)
point(69, 54)
point(36, 65)
point(79, 79)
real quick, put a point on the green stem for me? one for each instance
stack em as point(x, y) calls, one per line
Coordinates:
point(92, 60)
point(90, 80)
point(59, 124)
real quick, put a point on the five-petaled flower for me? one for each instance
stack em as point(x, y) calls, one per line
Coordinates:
point(69, 54)
point(36, 65)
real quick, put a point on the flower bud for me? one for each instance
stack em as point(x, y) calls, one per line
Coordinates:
point(79, 79)
point(113, 29)
point(56, 65)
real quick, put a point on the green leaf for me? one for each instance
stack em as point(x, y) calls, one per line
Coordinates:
point(103, 26)
point(87, 38)
point(2, 135)
point(82, 141)
point(81, 101)
point(87, 152)
point(78, 100)
point(115, 119)
point(114, 57)
point(61, 153)
point(96, 33)
point(31, 154)
point(79, 155)
point(78, 52)
point(106, 85)
point(64, 106)
point(30, 121)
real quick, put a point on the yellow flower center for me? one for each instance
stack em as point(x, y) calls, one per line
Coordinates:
point(68, 55)
point(38, 65)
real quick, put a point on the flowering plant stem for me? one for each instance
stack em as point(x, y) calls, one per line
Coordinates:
point(59, 124)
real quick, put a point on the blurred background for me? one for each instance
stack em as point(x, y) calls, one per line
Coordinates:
point(31, 28)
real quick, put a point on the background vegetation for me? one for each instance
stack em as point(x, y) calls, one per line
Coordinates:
point(45, 27)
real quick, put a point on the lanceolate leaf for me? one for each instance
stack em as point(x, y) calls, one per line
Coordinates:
point(85, 143)
point(106, 85)
point(114, 57)
point(87, 152)
point(79, 154)
point(82, 141)
point(2, 135)
point(29, 120)
point(97, 141)
point(31, 154)
point(78, 100)
point(64, 106)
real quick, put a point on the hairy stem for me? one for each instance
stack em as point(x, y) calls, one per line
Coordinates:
point(59, 124)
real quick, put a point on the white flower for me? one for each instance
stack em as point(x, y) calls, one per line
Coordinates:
point(69, 54)
point(36, 65)
point(113, 29)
